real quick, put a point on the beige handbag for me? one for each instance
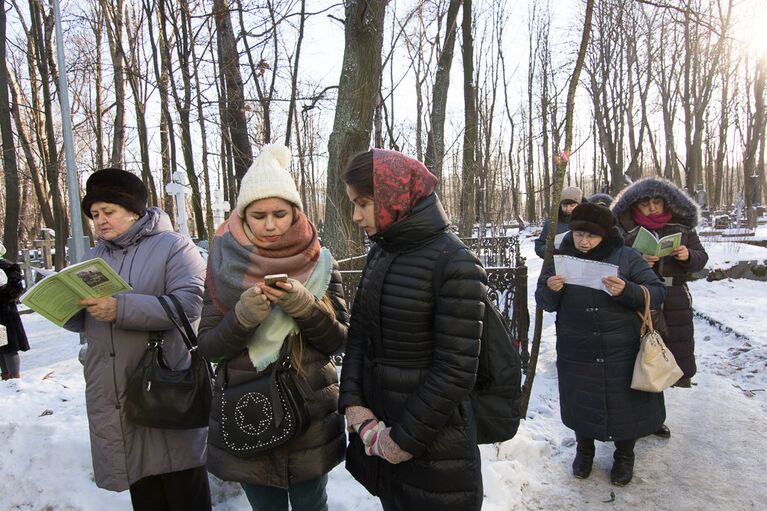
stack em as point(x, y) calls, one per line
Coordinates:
point(655, 368)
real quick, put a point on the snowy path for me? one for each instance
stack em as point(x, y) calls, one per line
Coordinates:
point(712, 461)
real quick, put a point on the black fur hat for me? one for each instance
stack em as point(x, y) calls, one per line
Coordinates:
point(592, 218)
point(116, 187)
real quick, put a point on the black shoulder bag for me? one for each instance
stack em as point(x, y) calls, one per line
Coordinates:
point(159, 397)
point(259, 414)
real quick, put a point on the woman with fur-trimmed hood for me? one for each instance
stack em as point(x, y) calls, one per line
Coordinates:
point(660, 207)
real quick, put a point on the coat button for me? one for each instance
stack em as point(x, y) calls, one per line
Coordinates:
point(600, 360)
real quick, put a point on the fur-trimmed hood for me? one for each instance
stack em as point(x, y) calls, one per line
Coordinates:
point(684, 209)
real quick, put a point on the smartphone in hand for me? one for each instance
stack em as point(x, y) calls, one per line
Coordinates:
point(271, 280)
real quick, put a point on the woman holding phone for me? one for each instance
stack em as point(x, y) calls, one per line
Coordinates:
point(267, 257)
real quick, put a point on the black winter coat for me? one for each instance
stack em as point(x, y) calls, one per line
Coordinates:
point(677, 308)
point(413, 360)
point(597, 344)
point(563, 225)
point(9, 315)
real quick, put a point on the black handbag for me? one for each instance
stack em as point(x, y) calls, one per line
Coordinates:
point(160, 397)
point(259, 414)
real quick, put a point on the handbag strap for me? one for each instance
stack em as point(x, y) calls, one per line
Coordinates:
point(184, 319)
point(190, 344)
point(647, 316)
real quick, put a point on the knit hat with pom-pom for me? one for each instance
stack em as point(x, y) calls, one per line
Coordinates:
point(267, 177)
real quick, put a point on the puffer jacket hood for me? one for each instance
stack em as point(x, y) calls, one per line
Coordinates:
point(684, 209)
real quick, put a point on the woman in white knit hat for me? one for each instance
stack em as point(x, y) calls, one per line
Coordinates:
point(571, 197)
point(248, 325)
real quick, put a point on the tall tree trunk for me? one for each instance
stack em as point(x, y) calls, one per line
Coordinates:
point(358, 88)
point(52, 162)
point(561, 163)
point(10, 171)
point(294, 74)
point(229, 62)
point(435, 142)
point(114, 12)
point(469, 213)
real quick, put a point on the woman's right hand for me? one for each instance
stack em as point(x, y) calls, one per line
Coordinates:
point(651, 259)
point(252, 308)
point(556, 283)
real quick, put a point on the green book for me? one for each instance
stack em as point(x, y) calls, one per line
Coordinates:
point(648, 243)
point(56, 297)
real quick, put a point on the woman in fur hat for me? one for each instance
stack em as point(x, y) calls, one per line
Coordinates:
point(412, 354)
point(13, 338)
point(597, 343)
point(162, 468)
point(571, 197)
point(247, 323)
point(660, 207)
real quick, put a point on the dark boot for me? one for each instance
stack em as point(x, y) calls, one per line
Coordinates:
point(663, 432)
point(684, 383)
point(623, 464)
point(5, 376)
point(584, 457)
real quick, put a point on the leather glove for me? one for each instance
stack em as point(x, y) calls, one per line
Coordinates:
point(384, 447)
point(298, 302)
point(252, 308)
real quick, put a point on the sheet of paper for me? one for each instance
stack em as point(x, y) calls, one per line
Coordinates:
point(558, 239)
point(582, 272)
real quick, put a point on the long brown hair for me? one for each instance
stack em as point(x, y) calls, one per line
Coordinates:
point(297, 347)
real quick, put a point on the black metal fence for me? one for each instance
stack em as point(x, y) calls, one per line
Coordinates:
point(507, 279)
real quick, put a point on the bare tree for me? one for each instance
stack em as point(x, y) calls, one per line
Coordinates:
point(469, 174)
point(358, 88)
point(10, 171)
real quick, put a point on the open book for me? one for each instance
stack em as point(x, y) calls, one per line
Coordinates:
point(56, 297)
point(648, 243)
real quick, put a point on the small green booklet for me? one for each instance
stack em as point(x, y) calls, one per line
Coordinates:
point(648, 243)
point(56, 297)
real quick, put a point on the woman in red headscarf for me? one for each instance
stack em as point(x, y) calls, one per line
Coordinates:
point(413, 344)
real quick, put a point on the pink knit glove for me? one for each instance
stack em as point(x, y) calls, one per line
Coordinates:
point(356, 415)
point(383, 446)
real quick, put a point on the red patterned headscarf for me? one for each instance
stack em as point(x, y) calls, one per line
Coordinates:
point(399, 182)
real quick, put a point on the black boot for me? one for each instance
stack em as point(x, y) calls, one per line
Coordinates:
point(663, 432)
point(584, 457)
point(623, 464)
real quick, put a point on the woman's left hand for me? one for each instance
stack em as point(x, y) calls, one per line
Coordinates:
point(102, 309)
point(295, 299)
point(614, 285)
point(681, 253)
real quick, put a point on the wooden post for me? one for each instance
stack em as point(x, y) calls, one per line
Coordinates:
point(26, 267)
point(46, 246)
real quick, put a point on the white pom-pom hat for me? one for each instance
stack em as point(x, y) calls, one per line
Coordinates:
point(267, 177)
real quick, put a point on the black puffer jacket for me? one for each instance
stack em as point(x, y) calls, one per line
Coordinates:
point(413, 362)
point(677, 308)
point(597, 343)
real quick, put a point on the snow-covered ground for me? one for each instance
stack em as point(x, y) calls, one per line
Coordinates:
point(712, 461)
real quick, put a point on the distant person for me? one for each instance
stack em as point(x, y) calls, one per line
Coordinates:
point(603, 199)
point(164, 469)
point(413, 348)
point(597, 343)
point(662, 208)
point(570, 197)
point(10, 289)
point(246, 323)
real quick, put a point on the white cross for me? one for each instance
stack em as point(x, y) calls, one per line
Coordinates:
point(220, 207)
point(177, 188)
